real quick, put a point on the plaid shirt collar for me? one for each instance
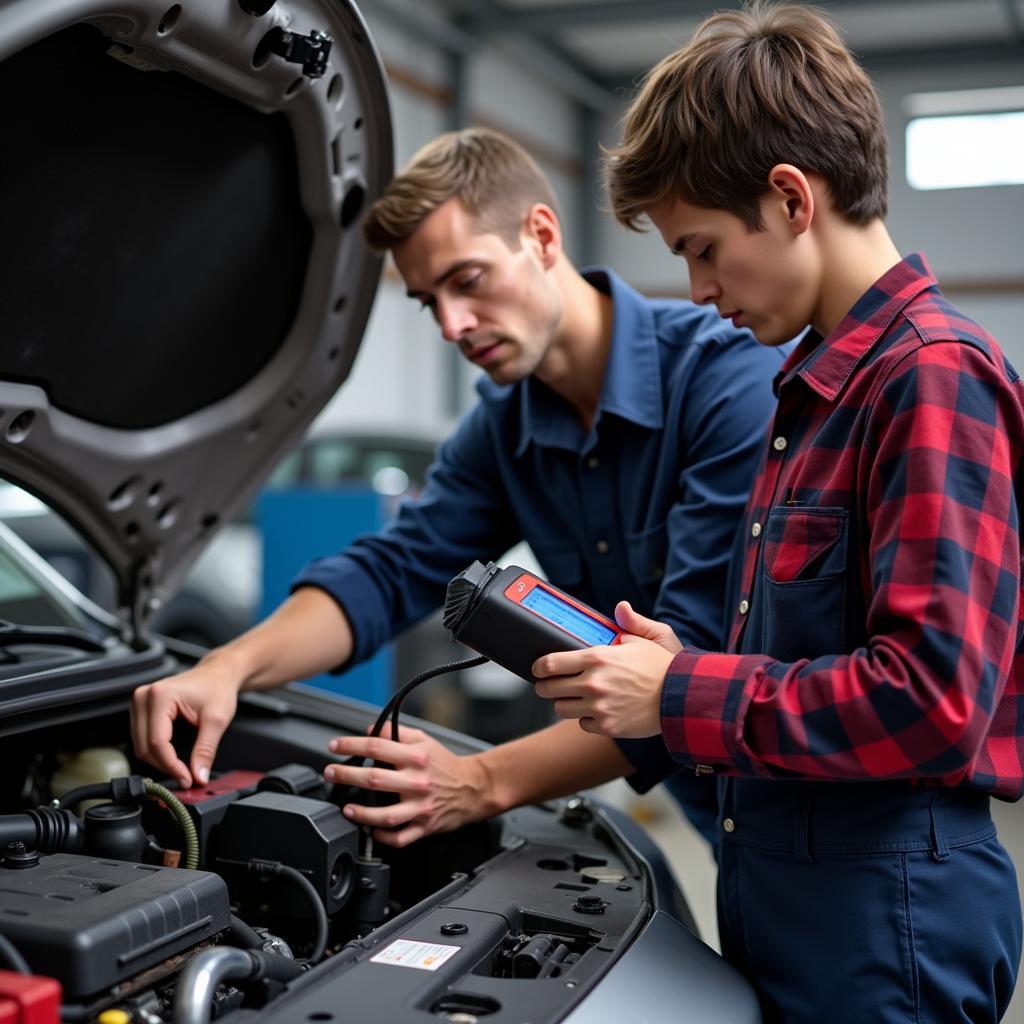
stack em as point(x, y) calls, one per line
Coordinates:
point(826, 365)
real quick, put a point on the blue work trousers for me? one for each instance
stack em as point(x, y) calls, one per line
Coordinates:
point(867, 903)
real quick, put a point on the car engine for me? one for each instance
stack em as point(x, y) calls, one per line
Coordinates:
point(147, 904)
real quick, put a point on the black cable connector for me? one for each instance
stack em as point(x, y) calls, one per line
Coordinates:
point(394, 706)
point(127, 789)
point(393, 709)
point(273, 867)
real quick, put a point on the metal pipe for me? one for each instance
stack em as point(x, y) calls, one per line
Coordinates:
point(193, 999)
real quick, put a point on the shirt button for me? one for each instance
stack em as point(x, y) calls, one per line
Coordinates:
point(744, 606)
point(755, 530)
point(779, 444)
point(729, 825)
point(602, 547)
point(593, 462)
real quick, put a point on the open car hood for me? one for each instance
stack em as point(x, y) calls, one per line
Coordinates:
point(182, 271)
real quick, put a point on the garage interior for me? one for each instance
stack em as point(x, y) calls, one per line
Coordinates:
point(556, 76)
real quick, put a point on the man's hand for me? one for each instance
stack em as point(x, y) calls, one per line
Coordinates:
point(613, 691)
point(307, 634)
point(206, 696)
point(438, 790)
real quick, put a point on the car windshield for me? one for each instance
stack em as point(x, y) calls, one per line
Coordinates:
point(41, 565)
point(26, 599)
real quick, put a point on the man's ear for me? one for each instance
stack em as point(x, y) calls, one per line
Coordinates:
point(541, 228)
point(791, 194)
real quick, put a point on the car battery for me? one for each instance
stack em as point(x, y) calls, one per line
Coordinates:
point(28, 999)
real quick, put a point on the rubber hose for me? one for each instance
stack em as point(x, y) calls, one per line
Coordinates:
point(319, 912)
point(243, 935)
point(92, 791)
point(10, 954)
point(177, 808)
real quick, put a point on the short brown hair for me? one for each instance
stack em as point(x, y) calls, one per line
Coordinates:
point(496, 179)
point(753, 88)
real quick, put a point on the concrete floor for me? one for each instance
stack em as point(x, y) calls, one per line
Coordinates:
point(694, 866)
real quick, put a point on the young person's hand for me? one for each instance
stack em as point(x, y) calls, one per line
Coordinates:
point(613, 691)
point(438, 791)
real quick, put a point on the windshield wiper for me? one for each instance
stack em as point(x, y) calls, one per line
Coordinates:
point(50, 636)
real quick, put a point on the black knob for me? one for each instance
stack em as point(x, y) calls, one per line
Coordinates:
point(18, 857)
point(115, 831)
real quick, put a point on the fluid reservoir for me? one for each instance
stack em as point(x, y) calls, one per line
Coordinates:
point(86, 767)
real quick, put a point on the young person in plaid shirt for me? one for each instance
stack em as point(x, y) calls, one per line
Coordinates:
point(870, 702)
point(867, 707)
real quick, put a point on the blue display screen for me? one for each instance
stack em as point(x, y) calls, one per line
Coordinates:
point(568, 617)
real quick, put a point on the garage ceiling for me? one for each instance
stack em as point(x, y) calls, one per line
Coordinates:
point(611, 42)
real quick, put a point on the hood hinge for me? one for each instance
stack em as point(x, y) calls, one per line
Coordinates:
point(138, 601)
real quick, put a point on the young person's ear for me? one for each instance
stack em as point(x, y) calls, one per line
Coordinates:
point(541, 228)
point(793, 196)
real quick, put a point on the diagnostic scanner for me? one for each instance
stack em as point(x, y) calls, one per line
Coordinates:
point(513, 617)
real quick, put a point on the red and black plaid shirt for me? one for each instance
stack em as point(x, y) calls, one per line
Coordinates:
point(876, 614)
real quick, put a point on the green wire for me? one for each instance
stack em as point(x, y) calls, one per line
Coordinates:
point(177, 808)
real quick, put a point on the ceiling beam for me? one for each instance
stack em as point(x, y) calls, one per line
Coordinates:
point(555, 67)
point(996, 51)
point(1001, 52)
point(552, 19)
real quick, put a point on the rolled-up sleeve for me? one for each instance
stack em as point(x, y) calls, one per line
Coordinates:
point(387, 581)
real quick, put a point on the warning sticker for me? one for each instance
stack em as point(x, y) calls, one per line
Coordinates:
point(424, 956)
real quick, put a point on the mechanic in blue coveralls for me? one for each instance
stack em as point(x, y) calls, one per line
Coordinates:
point(615, 434)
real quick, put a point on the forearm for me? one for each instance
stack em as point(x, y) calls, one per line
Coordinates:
point(306, 635)
point(554, 762)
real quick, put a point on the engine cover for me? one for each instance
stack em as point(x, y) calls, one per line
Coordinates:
point(311, 836)
point(92, 923)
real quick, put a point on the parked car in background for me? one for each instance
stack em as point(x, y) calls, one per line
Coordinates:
point(220, 596)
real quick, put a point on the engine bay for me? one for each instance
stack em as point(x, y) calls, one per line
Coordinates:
point(148, 904)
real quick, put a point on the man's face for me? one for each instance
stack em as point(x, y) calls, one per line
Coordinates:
point(763, 280)
point(496, 303)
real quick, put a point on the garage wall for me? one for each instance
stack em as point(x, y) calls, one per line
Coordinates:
point(973, 238)
point(406, 376)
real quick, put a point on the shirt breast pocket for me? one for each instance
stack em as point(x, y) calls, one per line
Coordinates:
point(805, 580)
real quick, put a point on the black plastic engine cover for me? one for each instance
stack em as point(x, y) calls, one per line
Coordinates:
point(311, 836)
point(92, 923)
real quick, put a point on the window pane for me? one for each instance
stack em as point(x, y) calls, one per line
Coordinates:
point(969, 151)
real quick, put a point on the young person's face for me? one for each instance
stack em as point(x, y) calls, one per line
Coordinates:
point(764, 280)
point(496, 303)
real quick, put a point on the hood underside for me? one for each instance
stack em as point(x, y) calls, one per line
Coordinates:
point(182, 271)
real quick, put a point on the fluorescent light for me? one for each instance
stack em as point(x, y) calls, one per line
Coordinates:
point(966, 151)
